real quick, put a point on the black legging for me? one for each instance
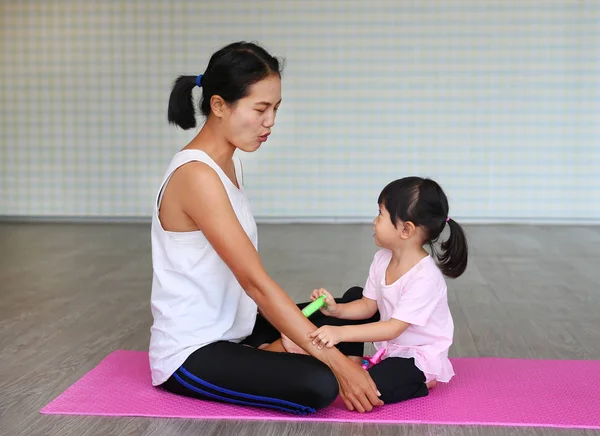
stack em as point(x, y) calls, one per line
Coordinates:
point(297, 383)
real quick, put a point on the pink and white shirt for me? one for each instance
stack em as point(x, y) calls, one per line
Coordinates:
point(420, 299)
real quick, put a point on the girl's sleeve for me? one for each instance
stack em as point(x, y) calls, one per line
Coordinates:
point(418, 302)
point(370, 289)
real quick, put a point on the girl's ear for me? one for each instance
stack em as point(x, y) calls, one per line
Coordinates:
point(407, 230)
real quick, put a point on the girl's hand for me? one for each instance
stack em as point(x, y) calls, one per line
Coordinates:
point(331, 307)
point(327, 336)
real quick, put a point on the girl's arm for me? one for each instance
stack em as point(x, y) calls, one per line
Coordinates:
point(198, 190)
point(375, 331)
point(329, 336)
point(364, 308)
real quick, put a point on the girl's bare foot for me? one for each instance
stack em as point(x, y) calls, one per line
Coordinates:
point(431, 384)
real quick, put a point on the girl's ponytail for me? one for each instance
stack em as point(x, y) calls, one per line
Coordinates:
point(453, 258)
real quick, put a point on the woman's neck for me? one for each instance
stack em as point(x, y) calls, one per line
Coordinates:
point(213, 143)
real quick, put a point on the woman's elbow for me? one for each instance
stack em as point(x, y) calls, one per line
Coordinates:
point(254, 284)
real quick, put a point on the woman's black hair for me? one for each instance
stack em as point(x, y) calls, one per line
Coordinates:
point(230, 73)
point(424, 203)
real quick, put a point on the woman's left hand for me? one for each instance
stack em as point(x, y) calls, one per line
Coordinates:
point(327, 335)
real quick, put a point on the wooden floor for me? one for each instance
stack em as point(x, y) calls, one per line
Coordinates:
point(72, 293)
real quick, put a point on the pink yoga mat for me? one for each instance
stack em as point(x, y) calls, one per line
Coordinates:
point(485, 391)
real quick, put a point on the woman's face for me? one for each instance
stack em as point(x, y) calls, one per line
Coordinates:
point(249, 121)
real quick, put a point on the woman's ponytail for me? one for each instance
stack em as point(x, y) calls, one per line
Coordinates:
point(181, 103)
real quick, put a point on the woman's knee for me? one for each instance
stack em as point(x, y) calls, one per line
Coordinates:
point(321, 388)
point(353, 294)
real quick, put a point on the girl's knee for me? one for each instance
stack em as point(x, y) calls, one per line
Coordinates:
point(353, 294)
point(404, 393)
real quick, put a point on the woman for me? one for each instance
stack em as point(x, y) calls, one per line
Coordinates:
point(208, 279)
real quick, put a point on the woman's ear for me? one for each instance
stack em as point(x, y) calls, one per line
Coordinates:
point(218, 106)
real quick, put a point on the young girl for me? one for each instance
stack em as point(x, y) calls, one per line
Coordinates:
point(407, 288)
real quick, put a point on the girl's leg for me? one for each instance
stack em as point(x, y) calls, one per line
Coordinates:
point(398, 379)
point(233, 373)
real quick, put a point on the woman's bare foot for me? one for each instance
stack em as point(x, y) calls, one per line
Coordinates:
point(290, 346)
point(276, 347)
point(431, 384)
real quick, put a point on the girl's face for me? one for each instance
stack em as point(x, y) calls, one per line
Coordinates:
point(384, 231)
point(249, 121)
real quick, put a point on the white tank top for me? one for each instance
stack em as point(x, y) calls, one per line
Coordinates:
point(196, 300)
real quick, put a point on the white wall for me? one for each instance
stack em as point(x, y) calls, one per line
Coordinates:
point(497, 100)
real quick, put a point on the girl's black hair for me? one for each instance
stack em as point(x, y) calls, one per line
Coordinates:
point(230, 73)
point(423, 202)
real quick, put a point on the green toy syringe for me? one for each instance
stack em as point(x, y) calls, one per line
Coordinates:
point(314, 306)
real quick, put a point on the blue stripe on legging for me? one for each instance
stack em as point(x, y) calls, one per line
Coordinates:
point(246, 396)
point(233, 401)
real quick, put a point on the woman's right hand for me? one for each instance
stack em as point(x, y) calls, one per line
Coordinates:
point(357, 388)
point(331, 308)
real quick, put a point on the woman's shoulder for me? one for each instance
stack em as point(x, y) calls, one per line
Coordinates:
point(197, 174)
